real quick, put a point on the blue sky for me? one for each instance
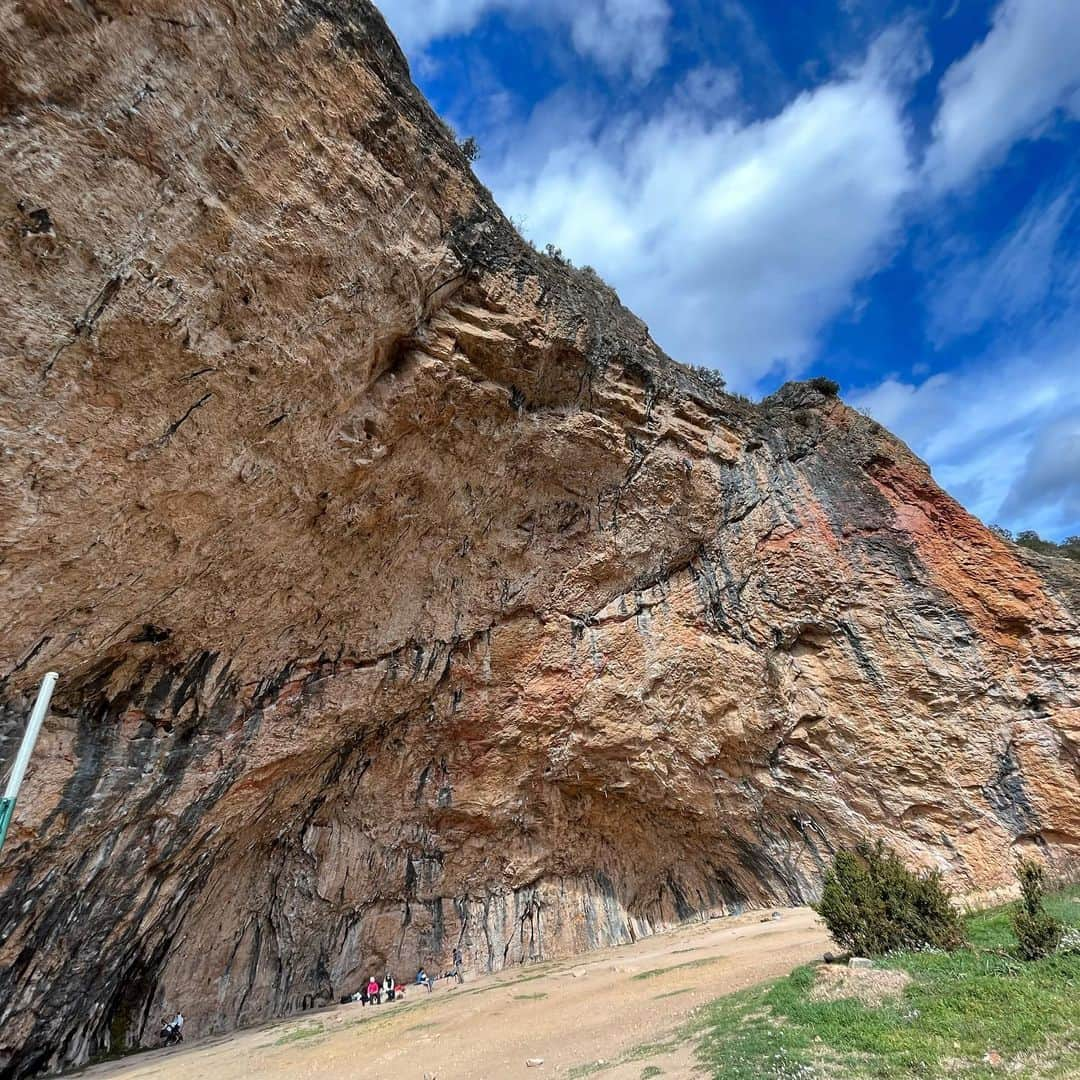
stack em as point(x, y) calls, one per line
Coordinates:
point(884, 193)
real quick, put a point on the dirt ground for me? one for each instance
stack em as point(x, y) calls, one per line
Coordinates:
point(571, 1013)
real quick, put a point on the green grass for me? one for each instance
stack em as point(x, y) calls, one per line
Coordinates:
point(958, 1007)
point(637, 1053)
point(652, 973)
point(650, 1071)
point(300, 1033)
point(675, 993)
point(529, 997)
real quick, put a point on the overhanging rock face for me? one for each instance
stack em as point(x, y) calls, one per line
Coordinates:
point(406, 595)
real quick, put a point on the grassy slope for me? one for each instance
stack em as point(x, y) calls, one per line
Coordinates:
point(959, 1007)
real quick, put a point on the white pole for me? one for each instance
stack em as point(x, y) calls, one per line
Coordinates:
point(33, 726)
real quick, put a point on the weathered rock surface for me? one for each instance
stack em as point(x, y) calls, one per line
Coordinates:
point(405, 594)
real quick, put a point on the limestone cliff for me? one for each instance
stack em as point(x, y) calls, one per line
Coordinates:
point(405, 594)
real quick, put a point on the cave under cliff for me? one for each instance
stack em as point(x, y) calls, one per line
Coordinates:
point(406, 595)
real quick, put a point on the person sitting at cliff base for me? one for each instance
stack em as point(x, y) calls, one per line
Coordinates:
point(172, 1031)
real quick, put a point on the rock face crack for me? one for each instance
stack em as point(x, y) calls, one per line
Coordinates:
point(175, 426)
point(469, 620)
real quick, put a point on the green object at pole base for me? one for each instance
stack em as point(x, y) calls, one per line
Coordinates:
point(7, 808)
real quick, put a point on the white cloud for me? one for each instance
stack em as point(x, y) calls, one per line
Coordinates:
point(418, 22)
point(1007, 88)
point(708, 88)
point(1049, 483)
point(619, 35)
point(1001, 434)
point(736, 241)
point(1029, 266)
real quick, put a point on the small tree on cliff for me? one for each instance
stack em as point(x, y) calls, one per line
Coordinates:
point(1037, 931)
point(873, 904)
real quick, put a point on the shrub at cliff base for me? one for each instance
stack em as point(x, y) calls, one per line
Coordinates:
point(873, 904)
point(1038, 933)
point(978, 1012)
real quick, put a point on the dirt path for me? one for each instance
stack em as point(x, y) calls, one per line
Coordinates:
point(570, 1013)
